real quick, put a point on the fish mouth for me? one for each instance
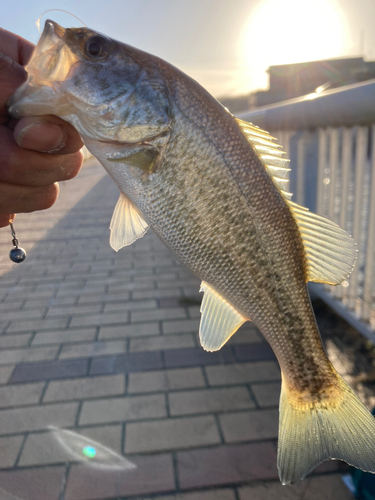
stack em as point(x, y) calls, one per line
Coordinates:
point(49, 67)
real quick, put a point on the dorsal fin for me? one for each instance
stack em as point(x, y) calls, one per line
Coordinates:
point(330, 251)
point(270, 153)
point(127, 225)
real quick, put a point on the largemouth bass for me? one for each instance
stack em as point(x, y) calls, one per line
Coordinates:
point(212, 188)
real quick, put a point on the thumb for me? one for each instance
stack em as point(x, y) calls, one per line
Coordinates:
point(5, 219)
point(12, 75)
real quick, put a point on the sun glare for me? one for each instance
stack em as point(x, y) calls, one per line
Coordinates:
point(290, 31)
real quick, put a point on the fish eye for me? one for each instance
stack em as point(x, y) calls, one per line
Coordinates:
point(97, 47)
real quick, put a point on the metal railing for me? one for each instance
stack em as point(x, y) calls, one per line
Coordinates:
point(330, 140)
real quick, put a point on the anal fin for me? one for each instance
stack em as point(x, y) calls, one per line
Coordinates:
point(127, 225)
point(219, 319)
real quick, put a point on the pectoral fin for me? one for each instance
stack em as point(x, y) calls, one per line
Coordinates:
point(141, 158)
point(219, 319)
point(127, 225)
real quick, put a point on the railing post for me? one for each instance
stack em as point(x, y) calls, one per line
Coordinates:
point(368, 300)
point(355, 302)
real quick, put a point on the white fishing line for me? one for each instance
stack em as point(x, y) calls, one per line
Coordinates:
point(54, 10)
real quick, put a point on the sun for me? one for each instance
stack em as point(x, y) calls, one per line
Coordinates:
point(291, 31)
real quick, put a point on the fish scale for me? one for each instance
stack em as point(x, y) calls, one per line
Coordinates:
point(199, 237)
point(213, 188)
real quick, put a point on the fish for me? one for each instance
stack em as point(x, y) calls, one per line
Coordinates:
point(214, 190)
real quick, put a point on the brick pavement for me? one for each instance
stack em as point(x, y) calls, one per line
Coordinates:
point(105, 345)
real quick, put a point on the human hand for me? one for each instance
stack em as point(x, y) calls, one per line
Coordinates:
point(35, 152)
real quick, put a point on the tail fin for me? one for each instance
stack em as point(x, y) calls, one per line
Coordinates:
point(340, 428)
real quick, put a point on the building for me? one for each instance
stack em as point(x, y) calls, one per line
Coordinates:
point(288, 81)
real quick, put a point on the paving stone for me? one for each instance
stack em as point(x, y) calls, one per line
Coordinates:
point(20, 291)
point(19, 395)
point(100, 348)
point(157, 314)
point(15, 306)
point(135, 362)
point(14, 340)
point(35, 313)
point(209, 400)
point(27, 355)
point(34, 418)
point(267, 394)
point(31, 303)
point(135, 330)
point(55, 447)
point(166, 303)
point(89, 297)
point(171, 434)
point(312, 488)
point(4, 325)
point(100, 319)
point(196, 356)
point(184, 326)
point(246, 335)
point(152, 474)
point(166, 380)
point(222, 494)
point(157, 294)
point(162, 342)
point(121, 288)
point(76, 310)
point(33, 325)
point(65, 336)
point(31, 372)
point(122, 409)
point(85, 388)
point(241, 373)
point(254, 352)
point(9, 449)
point(5, 373)
point(194, 312)
point(173, 282)
point(226, 465)
point(34, 484)
point(250, 426)
point(134, 305)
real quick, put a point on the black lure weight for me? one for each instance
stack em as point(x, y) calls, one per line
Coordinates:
point(17, 254)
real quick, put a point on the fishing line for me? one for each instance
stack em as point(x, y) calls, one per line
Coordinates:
point(53, 10)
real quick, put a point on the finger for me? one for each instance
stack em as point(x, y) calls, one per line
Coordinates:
point(31, 168)
point(47, 134)
point(26, 199)
point(12, 75)
point(16, 47)
point(5, 219)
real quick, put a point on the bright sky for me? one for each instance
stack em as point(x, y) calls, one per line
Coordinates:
point(227, 46)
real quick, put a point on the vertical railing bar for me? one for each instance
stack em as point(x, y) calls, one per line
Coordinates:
point(361, 151)
point(346, 164)
point(322, 157)
point(286, 143)
point(300, 188)
point(369, 266)
point(333, 160)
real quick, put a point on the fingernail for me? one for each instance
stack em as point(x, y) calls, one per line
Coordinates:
point(41, 136)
